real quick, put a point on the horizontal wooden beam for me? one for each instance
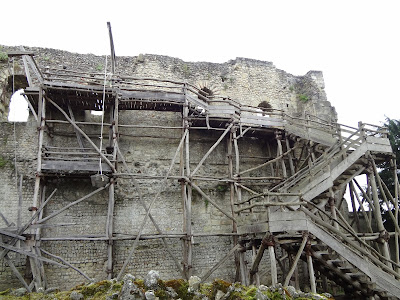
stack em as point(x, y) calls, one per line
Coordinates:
point(19, 53)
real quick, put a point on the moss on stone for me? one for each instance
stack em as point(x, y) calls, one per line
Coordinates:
point(103, 289)
point(181, 288)
point(3, 163)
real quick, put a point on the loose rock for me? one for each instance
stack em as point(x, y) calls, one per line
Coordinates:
point(19, 292)
point(219, 295)
point(150, 295)
point(194, 284)
point(75, 295)
point(151, 280)
point(171, 292)
point(129, 290)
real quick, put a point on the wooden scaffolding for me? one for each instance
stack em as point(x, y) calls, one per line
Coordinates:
point(295, 215)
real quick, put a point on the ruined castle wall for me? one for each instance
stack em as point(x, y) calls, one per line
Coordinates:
point(149, 152)
point(246, 80)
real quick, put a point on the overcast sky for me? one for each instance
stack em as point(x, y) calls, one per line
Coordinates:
point(355, 43)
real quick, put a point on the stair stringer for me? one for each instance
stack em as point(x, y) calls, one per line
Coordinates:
point(382, 279)
point(296, 220)
point(325, 178)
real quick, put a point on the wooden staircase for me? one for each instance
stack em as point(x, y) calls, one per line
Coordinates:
point(337, 166)
point(354, 268)
point(357, 271)
point(337, 253)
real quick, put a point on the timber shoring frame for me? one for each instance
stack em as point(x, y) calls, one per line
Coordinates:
point(296, 159)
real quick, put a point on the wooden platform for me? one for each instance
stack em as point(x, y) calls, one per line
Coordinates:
point(62, 167)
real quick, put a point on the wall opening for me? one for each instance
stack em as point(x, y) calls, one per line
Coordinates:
point(19, 110)
point(96, 112)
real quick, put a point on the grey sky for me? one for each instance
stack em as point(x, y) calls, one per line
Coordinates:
point(355, 43)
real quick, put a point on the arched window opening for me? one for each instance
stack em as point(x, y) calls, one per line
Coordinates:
point(206, 92)
point(265, 105)
point(19, 110)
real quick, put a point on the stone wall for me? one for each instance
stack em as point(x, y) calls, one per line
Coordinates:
point(246, 80)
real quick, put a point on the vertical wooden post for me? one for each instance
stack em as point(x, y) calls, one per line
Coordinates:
point(256, 258)
point(361, 203)
point(274, 272)
point(311, 273)
point(296, 259)
point(19, 202)
point(230, 145)
point(188, 210)
point(324, 281)
point(355, 211)
point(310, 268)
point(109, 229)
point(270, 155)
point(111, 193)
point(378, 217)
point(333, 208)
point(278, 136)
point(78, 135)
point(41, 121)
point(186, 191)
point(36, 248)
point(396, 212)
point(244, 274)
point(292, 170)
point(38, 182)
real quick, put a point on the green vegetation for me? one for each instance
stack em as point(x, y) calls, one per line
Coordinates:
point(303, 98)
point(99, 67)
point(110, 288)
point(186, 70)
point(221, 188)
point(3, 55)
point(387, 169)
point(3, 162)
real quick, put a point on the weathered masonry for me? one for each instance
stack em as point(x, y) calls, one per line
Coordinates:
point(177, 175)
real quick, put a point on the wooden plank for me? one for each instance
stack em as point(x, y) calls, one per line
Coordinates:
point(380, 148)
point(20, 53)
point(73, 167)
point(50, 85)
point(253, 228)
point(378, 140)
point(166, 96)
point(293, 225)
point(287, 215)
